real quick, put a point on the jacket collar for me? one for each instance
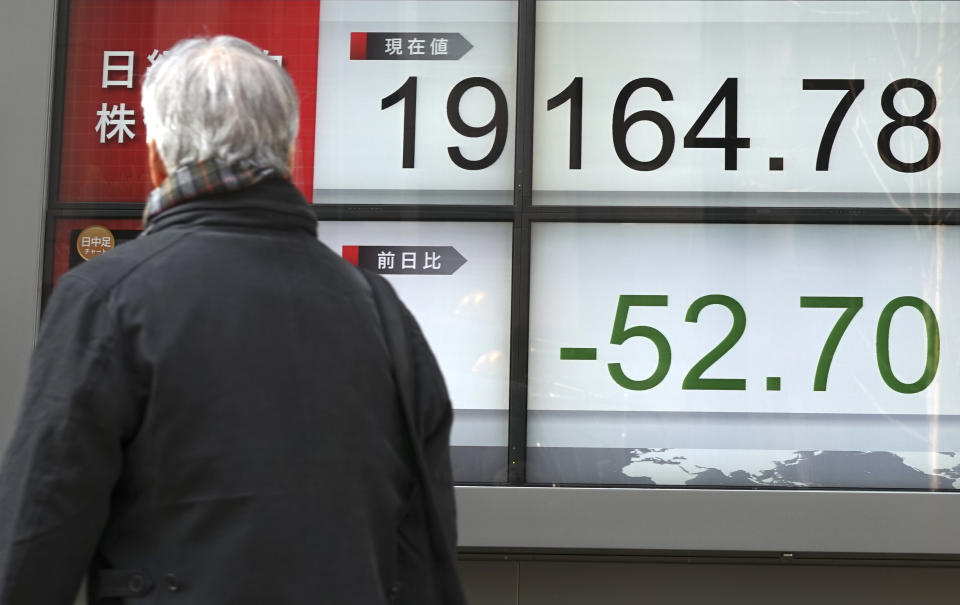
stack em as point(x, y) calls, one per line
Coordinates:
point(274, 204)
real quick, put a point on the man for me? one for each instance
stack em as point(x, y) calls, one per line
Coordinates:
point(211, 415)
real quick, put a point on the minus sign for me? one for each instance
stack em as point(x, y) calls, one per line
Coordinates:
point(573, 353)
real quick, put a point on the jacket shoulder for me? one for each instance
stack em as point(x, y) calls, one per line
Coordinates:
point(105, 271)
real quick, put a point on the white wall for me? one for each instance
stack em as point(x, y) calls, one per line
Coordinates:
point(26, 84)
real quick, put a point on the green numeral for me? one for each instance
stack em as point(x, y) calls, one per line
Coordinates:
point(694, 379)
point(883, 344)
point(621, 334)
point(852, 304)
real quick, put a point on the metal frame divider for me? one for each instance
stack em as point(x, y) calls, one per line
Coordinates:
point(523, 201)
point(56, 142)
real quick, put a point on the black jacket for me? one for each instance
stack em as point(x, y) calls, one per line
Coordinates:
point(212, 406)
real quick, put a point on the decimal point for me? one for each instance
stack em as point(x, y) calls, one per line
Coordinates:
point(776, 164)
point(773, 383)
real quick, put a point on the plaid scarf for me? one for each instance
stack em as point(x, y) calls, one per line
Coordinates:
point(205, 177)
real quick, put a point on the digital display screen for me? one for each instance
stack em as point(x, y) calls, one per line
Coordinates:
point(455, 279)
point(839, 104)
point(759, 343)
point(725, 230)
point(737, 354)
point(416, 104)
point(110, 45)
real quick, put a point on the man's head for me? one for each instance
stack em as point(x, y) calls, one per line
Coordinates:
point(218, 99)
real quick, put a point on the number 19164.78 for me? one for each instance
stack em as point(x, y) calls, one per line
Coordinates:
point(730, 142)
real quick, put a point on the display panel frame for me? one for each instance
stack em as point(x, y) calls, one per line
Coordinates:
point(919, 523)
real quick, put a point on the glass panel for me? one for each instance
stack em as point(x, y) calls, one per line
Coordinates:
point(449, 85)
point(415, 102)
point(745, 355)
point(840, 104)
point(110, 45)
point(455, 279)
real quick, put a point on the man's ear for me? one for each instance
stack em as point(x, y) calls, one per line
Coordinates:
point(292, 155)
point(158, 172)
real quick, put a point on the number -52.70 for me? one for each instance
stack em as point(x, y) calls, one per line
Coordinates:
point(848, 306)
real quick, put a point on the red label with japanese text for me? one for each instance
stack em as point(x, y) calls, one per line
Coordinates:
point(113, 42)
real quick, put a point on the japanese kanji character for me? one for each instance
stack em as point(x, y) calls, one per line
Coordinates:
point(408, 260)
point(431, 260)
point(152, 57)
point(415, 46)
point(438, 46)
point(394, 46)
point(125, 68)
point(119, 117)
point(278, 59)
point(385, 259)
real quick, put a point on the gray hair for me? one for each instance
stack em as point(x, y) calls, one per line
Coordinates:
point(220, 98)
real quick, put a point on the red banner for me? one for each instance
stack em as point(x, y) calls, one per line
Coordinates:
point(113, 42)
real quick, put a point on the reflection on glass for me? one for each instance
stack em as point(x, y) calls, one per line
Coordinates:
point(840, 104)
point(455, 279)
point(744, 355)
